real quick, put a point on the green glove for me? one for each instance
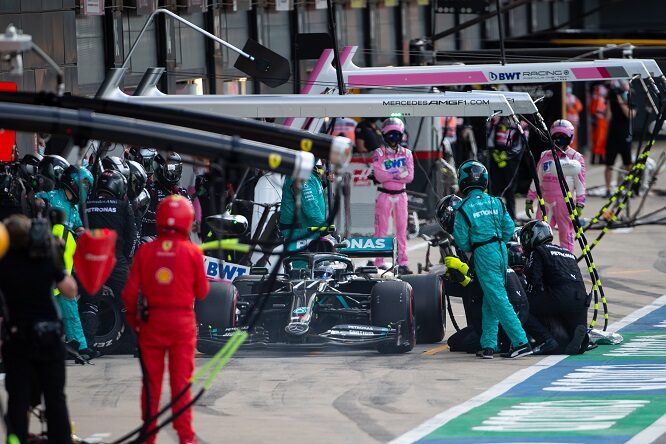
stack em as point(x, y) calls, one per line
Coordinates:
point(579, 209)
point(455, 263)
point(529, 208)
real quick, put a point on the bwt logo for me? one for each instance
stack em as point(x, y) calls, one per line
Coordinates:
point(504, 76)
point(395, 163)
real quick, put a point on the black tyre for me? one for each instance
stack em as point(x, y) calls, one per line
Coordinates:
point(216, 312)
point(112, 325)
point(429, 307)
point(392, 302)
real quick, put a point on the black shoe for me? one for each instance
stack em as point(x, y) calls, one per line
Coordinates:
point(89, 354)
point(574, 347)
point(404, 269)
point(521, 350)
point(486, 353)
point(546, 348)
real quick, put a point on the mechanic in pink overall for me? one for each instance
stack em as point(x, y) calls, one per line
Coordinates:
point(573, 167)
point(393, 168)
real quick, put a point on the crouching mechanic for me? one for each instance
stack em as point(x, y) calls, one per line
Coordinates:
point(393, 168)
point(482, 227)
point(555, 289)
point(170, 275)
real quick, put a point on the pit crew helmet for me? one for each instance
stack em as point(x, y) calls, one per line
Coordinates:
point(112, 183)
point(168, 169)
point(562, 133)
point(393, 130)
point(117, 164)
point(137, 179)
point(145, 157)
point(472, 175)
point(535, 233)
point(446, 213)
point(141, 203)
point(51, 169)
point(29, 168)
point(175, 213)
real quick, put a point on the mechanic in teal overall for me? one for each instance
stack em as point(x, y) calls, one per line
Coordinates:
point(294, 228)
point(484, 229)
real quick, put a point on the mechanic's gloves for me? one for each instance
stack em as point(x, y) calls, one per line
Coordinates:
point(457, 270)
point(579, 209)
point(529, 208)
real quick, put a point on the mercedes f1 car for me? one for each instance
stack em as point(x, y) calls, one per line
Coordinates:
point(322, 298)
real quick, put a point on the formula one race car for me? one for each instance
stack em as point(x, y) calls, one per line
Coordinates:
point(321, 298)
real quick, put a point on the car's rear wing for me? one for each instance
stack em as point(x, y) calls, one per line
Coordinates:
point(362, 246)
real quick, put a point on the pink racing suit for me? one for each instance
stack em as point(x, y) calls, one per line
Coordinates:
point(392, 169)
point(573, 167)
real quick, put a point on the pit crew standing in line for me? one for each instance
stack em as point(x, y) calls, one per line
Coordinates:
point(573, 167)
point(170, 275)
point(393, 168)
point(109, 209)
point(482, 227)
point(168, 170)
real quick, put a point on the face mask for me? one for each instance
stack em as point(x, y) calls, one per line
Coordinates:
point(561, 141)
point(393, 138)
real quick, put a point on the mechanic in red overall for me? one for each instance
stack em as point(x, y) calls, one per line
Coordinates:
point(169, 274)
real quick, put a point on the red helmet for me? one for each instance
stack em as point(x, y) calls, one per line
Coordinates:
point(175, 213)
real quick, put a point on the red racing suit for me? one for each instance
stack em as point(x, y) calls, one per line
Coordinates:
point(392, 169)
point(169, 274)
point(573, 167)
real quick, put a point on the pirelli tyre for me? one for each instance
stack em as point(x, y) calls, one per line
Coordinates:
point(429, 307)
point(112, 331)
point(391, 303)
point(215, 314)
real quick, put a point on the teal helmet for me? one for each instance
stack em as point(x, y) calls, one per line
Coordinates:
point(472, 175)
point(78, 182)
point(86, 181)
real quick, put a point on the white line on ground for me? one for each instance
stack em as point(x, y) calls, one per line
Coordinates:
point(658, 428)
point(417, 246)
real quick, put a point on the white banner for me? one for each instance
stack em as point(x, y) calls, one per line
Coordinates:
point(219, 270)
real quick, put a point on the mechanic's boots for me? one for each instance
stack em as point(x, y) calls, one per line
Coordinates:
point(404, 269)
point(486, 353)
point(547, 347)
point(577, 341)
point(89, 353)
point(518, 351)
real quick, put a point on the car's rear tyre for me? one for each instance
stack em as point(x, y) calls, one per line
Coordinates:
point(216, 312)
point(392, 303)
point(429, 307)
point(112, 332)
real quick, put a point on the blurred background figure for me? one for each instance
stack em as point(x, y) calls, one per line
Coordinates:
point(620, 132)
point(368, 135)
point(573, 109)
point(599, 115)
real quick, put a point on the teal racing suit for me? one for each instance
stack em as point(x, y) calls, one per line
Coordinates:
point(58, 199)
point(483, 226)
point(312, 214)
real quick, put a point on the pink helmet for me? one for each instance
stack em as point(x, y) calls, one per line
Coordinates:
point(393, 124)
point(562, 126)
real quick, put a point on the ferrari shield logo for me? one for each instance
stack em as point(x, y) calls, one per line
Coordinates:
point(274, 160)
point(167, 245)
